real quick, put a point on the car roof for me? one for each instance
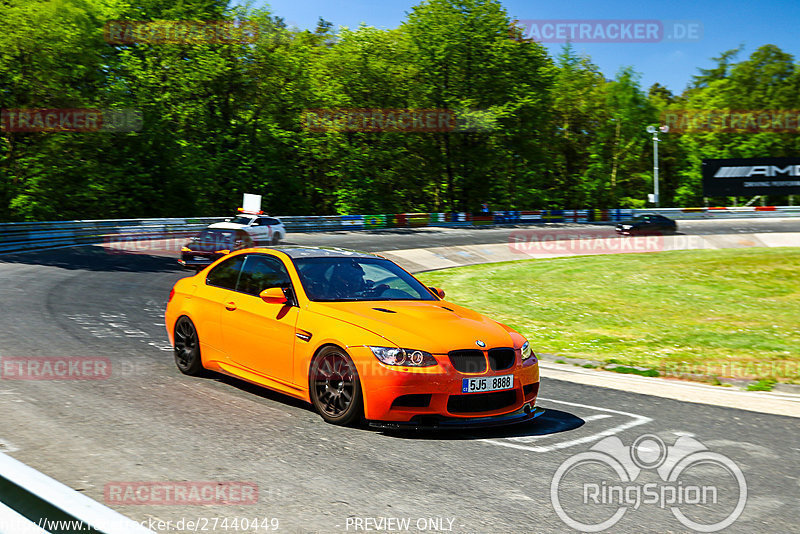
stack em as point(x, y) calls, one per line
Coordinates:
point(256, 215)
point(298, 251)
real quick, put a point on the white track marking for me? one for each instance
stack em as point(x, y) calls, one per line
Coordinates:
point(636, 421)
point(597, 417)
point(108, 325)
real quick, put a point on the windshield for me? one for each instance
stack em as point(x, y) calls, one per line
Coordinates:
point(347, 279)
point(245, 221)
point(213, 239)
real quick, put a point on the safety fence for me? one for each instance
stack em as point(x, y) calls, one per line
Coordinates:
point(33, 503)
point(15, 237)
point(416, 220)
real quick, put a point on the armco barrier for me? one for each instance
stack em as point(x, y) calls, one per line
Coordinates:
point(726, 212)
point(28, 498)
point(15, 237)
point(37, 235)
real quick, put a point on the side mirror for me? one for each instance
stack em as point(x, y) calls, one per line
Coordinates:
point(273, 295)
point(439, 292)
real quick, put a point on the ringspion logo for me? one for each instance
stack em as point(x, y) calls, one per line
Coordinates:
point(705, 491)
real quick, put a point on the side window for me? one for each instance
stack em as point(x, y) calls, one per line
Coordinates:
point(262, 272)
point(226, 274)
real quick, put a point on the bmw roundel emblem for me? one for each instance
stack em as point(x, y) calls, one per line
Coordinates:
point(480, 343)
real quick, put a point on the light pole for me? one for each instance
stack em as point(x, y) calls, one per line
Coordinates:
point(653, 130)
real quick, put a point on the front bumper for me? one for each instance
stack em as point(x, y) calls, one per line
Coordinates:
point(434, 394)
point(198, 260)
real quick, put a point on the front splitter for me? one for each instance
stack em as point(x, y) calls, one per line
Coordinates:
point(436, 422)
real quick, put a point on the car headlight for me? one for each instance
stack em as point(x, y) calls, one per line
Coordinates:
point(526, 351)
point(404, 357)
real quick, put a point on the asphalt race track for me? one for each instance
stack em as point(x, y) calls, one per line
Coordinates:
point(149, 423)
point(399, 238)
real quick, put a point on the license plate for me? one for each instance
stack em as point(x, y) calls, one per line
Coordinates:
point(489, 383)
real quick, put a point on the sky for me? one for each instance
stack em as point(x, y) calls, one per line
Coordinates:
point(723, 25)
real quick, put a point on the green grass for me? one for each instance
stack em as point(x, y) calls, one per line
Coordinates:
point(761, 385)
point(633, 371)
point(731, 312)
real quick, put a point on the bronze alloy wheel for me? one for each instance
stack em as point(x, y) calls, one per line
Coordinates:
point(335, 387)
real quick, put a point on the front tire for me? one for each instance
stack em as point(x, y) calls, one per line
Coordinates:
point(187, 348)
point(335, 387)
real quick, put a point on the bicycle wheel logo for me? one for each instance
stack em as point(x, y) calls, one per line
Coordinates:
point(704, 490)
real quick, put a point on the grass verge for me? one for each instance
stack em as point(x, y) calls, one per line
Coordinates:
point(725, 313)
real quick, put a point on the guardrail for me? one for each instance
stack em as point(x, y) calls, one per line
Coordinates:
point(15, 237)
point(32, 502)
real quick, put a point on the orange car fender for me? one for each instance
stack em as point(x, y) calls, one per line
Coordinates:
point(335, 332)
point(203, 312)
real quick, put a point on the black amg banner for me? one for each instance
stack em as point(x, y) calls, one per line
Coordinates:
point(753, 176)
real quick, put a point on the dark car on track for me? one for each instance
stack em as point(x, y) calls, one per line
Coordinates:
point(647, 223)
point(211, 244)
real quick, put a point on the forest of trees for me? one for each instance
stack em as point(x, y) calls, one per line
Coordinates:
point(221, 119)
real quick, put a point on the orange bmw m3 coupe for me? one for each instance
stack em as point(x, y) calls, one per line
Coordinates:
point(353, 334)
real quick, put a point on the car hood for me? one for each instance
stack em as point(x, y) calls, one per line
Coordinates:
point(434, 326)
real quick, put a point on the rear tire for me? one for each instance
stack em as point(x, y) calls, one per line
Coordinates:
point(187, 348)
point(335, 387)
point(276, 239)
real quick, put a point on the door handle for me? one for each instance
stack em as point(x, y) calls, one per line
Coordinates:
point(231, 306)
